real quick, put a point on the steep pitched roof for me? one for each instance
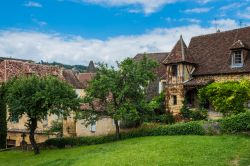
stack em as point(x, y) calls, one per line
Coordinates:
point(84, 78)
point(179, 53)
point(70, 78)
point(238, 44)
point(212, 52)
point(159, 57)
point(91, 68)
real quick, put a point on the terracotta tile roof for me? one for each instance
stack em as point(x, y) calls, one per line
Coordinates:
point(70, 77)
point(159, 57)
point(84, 78)
point(179, 53)
point(212, 52)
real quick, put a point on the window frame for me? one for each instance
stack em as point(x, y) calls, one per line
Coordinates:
point(174, 70)
point(174, 99)
point(238, 53)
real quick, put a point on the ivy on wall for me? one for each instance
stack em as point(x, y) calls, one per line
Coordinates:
point(227, 97)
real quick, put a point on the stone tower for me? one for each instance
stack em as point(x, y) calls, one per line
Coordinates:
point(179, 66)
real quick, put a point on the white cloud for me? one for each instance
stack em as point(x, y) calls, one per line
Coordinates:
point(149, 6)
point(38, 22)
point(78, 50)
point(225, 24)
point(33, 4)
point(232, 6)
point(245, 14)
point(198, 10)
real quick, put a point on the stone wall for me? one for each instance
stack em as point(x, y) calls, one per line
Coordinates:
point(17, 137)
point(178, 91)
point(103, 126)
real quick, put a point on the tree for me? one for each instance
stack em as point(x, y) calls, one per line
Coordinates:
point(3, 121)
point(159, 114)
point(119, 93)
point(36, 97)
point(226, 97)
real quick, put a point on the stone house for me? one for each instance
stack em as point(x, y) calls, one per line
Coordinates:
point(72, 127)
point(9, 68)
point(217, 57)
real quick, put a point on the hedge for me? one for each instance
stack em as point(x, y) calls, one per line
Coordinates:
point(190, 128)
point(231, 125)
point(235, 123)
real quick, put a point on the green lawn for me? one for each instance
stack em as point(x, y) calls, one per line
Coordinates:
point(162, 150)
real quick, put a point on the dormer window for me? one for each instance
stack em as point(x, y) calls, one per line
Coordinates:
point(174, 70)
point(237, 58)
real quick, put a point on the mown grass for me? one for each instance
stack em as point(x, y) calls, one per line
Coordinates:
point(161, 150)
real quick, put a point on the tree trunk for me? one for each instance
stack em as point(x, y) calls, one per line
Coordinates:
point(32, 126)
point(117, 130)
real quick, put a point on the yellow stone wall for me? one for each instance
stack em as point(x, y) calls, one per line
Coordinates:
point(104, 126)
point(15, 129)
point(178, 90)
point(18, 138)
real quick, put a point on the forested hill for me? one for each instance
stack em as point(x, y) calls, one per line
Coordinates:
point(80, 68)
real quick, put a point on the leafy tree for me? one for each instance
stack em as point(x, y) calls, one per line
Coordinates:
point(3, 123)
point(119, 93)
point(56, 126)
point(36, 97)
point(226, 97)
point(159, 114)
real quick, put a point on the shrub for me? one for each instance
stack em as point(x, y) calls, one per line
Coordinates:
point(226, 97)
point(159, 114)
point(193, 114)
point(190, 128)
point(199, 114)
point(236, 123)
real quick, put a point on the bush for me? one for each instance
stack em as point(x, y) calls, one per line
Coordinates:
point(236, 123)
point(193, 114)
point(166, 118)
point(191, 128)
point(199, 114)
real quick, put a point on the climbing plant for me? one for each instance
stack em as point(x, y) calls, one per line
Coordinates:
point(227, 97)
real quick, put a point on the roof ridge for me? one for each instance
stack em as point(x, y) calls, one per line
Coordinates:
point(227, 31)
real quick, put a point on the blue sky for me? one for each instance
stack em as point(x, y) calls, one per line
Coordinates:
point(76, 31)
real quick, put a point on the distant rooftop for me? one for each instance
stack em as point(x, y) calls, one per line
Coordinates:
point(15, 59)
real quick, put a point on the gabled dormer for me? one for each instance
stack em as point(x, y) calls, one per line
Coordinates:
point(239, 52)
point(179, 64)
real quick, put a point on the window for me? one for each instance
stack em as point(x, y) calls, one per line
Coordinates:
point(237, 59)
point(93, 127)
point(14, 118)
point(174, 99)
point(174, 70)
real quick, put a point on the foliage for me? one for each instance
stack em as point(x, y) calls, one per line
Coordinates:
point(57, 127)
point(80, 68)
point(3, 123)
point(233, 124)
point(36, 97)
point(236, 123)
point(159, 113)
point(193, 114)
point(227, 97)
point(119, 93)
point(190, 128)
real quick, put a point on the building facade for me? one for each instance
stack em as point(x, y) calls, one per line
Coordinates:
point(218, 57)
